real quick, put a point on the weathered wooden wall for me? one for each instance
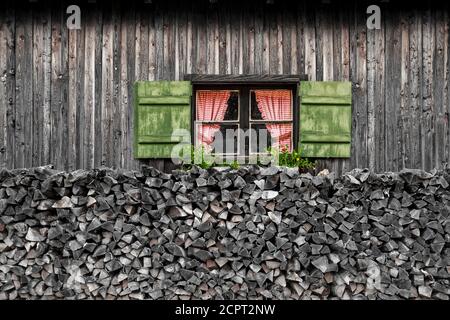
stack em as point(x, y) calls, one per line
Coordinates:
point(66, 95)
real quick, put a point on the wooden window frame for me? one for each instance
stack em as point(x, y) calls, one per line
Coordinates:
point(245, 83)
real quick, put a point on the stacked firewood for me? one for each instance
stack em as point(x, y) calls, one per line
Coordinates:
point(250, 233)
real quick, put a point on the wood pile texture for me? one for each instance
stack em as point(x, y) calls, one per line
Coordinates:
point(251, 233)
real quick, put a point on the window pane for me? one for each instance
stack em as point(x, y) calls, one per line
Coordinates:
point(217, 105)
point(232, 112)
point(276, 135)
point(218, 138)
point(259, 138)
point(271, 105)
point(255, 113)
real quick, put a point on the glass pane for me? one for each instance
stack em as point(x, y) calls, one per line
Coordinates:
point(219, 137)
point(217, 105)
point(255, 113)
point(259, 138)
point(275, 135)
point(232, 112)
point(271, 105)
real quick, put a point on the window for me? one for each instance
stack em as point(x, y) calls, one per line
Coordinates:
point(314, 117)
point(244, 120)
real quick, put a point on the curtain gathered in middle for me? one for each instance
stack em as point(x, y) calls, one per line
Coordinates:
point(275, 105)
point(211, 106)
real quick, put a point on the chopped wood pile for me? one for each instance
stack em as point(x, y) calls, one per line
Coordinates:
point(251, 233)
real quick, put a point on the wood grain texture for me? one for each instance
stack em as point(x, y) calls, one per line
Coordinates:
point(405, 113)
point(415, 92)
point(439, 90)
point(66, 95)
point(427, 113)
point(7, 88)
point(359, 79)
point(392, 92)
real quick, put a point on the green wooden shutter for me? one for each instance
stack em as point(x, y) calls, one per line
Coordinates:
point(160, 108)
point(325, 119)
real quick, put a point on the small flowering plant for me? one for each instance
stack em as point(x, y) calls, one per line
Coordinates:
point(291, 159)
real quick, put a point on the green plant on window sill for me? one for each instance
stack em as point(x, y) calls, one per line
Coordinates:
point(291, 159)
point(202, 157)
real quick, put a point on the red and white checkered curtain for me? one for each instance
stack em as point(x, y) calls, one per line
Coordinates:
point(211, 106)
point(276, 105)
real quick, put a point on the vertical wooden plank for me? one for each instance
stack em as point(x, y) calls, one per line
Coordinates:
point(337, 33)
point(141, 15)
point(38, 83)
point(143, 53)
point(80, 95)
point(405, 113)
point(223, 41)
point(379, 106)
point(136, 71)
point(273, 42)
point(104, 140)
point(235, 20)
point(193, 61)
point(131, 78)
point(241, 43)
point(299, 35)
point(310, 43)
point(358, 69)
point(345, 42)
point(344, 60)
point(24, 94)
point(266, 43)
point(286, 24)
point(101, 141)
point(280, 41)
point(441, 126)
point(64, 78)
point(318, 22)
point(427, 117)
point(181, 30)
point(210, 43)
point(446, 95)
point(371, 70)
point(30, 116)
point(72, 98)
point(89, 91)
point(415, 63)
point(202, 40)
point(259, 43)
point(393, 72)
point(250, 34)
point(117, 152)
point(56, 88)
point(152, 64)
point(7, 87)
point(123, 89)
point(228, 13)
point(245, 40)
point(189, 40)
point(326, 31)
point(3, 100)
point(137, 44)
point(293, 29)
point(169, 56)
point(177, 45)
